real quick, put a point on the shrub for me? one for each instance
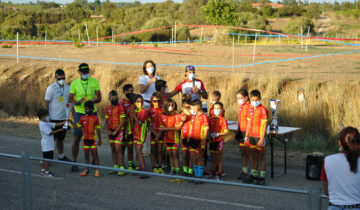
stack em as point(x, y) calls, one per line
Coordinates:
point(294, 26)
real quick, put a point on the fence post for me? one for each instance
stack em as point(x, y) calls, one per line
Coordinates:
point(309, 200)
point(29, 187)
point(17, 47)
point(23, 180)
point(318, 198)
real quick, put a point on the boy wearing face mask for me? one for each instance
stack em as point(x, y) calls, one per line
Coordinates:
point(91, 129)
point(161, 87)
point(242, 97)
point(56, 98)
point(115, 118)
point(183, 122)
point(199, 127)
point(140, 118)
point(47, 138)
point(255, 138)
point(215, 97)
point(128, 91)
point(218, 129)
point(155, 141)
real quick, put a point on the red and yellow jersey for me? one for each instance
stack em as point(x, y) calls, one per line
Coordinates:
point(140, 130)
point(218, 125)
point(169, 121)
point(185, 129)
point(242, 116)
point(212, 112)
point(198, 125)
point(129, 125)
point(155, 118)
point(257, 117)
point(113, 115)
point(89, 124)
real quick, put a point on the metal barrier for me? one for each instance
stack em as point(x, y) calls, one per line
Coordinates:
point(27, 190)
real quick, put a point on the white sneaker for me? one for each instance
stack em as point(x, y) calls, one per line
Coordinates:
point(49, 174)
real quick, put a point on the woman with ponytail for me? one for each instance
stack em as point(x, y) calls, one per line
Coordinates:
point(341, 172)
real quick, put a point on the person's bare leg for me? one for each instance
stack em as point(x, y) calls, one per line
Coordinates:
point(140, 157)
point(120, 155)
point(262, 161)
point(176, 158)
point(87, 156)
point(244, 157)
point(60, 146)
point(95, 156)
point(159, 154)
point(153, 155)
point(213, 161)
point(114, 155)
point(130, 148)
point(220, 163)
point(75, 148)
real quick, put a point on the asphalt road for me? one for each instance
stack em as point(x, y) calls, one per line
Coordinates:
point(70, 191)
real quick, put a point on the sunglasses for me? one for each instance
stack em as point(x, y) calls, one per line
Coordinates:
point(155, 101)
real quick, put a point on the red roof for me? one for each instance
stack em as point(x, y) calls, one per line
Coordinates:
point(273, 5)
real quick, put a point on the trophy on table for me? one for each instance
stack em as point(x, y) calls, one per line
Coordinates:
point(68, 108)
point(274, 104)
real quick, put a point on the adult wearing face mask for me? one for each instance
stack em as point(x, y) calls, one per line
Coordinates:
point(194, 87)
point(147, 82)
point(56, 98)
point(147, 88)
point(81, 90)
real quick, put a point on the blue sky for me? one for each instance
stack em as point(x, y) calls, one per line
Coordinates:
point(143, 1)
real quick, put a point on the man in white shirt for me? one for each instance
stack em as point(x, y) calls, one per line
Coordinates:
point(56, 98)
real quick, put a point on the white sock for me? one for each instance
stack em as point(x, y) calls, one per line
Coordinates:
point(43, 170)
point(46, 172)
point(61, 156)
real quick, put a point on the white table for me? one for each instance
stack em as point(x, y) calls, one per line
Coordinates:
point(280, 134)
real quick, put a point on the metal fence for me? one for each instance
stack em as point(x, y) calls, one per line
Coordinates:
point(313, 196)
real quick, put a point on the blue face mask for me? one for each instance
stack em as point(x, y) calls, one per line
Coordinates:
point(85, 76)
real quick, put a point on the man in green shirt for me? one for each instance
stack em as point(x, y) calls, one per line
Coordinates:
point(81, 90)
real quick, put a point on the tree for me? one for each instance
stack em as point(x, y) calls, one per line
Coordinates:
point(219, 12)
point(76, 11)
point(191, 11)
point(19, 23)
point(313, 11)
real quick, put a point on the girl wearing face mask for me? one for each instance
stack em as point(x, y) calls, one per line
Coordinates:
point(140, 118)
point(255, 138)
point(242, 97)
point(147, 82)
point(218, 129)
point(171, 134)
point(115, 118)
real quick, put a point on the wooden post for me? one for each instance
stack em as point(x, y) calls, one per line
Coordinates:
point(97, 37)
point(233, 52)
point(79, 34)
point(45, 37)
point(17, 47)
point(245, 39)
point(87, 34)
point(307, 40)
point(301, 37)
point(201, 34)
point(254, 48)
point(175, 34)
point(172, 35)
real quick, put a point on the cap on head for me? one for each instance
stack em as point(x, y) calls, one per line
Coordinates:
point(189, 67)
point(59, 72)
point(84, 68)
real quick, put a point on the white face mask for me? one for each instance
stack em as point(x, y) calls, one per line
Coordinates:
point(170, 109)
point(241, 101)
point(192, 112)
point(217, 112)
point(191, 76)
point(150, 70)
point(166, 90)
point(255, 103)
point(61, 82)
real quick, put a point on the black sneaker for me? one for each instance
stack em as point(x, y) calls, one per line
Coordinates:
point(242, 176)
point(260, 181)
point(74, 169)
point(249, 179)
point(64, 159)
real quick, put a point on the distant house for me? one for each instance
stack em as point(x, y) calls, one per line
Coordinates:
point(273, 5)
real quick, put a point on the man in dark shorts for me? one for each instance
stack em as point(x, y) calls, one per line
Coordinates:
point(56, 99)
